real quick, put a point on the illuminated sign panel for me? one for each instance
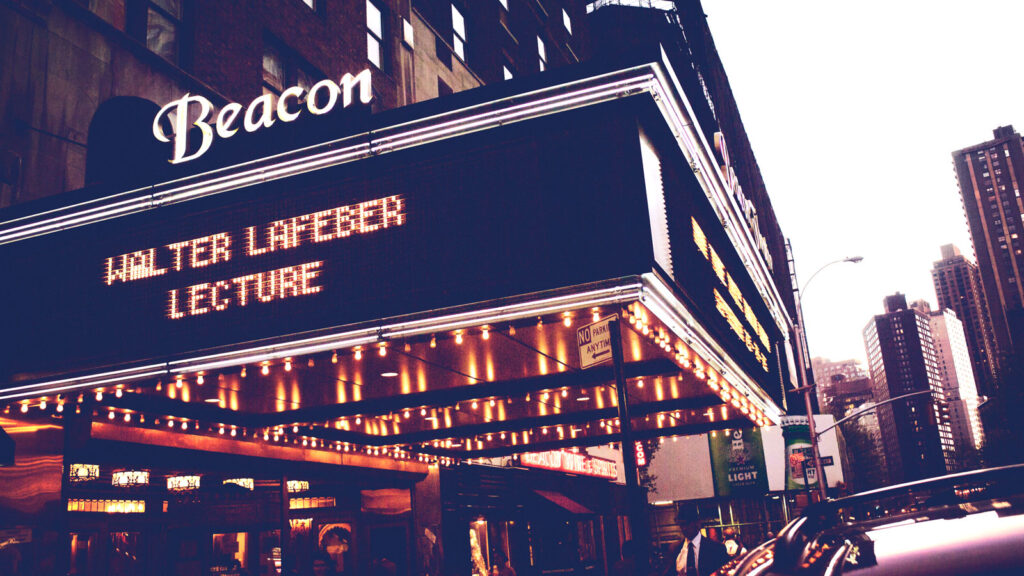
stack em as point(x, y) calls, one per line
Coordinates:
point(571, 462)
point(725, 308)
point(497, 213)
point(254, 242)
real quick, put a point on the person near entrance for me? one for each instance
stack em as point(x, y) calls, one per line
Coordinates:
point(696, 555)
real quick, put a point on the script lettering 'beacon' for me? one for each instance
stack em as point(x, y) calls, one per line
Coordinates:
point(263, 112)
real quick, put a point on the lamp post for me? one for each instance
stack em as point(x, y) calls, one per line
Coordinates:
point(869, 407)
point(802, 373)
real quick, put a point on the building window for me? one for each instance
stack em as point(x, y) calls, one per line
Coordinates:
point(443, 53)
point(281, 69)
point(459, 29)
point(443, 89)
point(113, 11)
point(374, 35)
point(163, 21)
point(273, 70)
point(566, 21)
point(542, 54)
point(408, 34)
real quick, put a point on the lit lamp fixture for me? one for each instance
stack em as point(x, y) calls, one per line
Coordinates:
point(83, 472)
point(182, 483)
point(129, 478)
point(246, 483)
point(298, 485)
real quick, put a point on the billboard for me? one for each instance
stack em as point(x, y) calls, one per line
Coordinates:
point(737, 462)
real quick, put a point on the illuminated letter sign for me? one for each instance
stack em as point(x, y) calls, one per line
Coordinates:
point(261, 112)
point(219, 294)
point(746, 206)
point(571, 462)
point(757, 333)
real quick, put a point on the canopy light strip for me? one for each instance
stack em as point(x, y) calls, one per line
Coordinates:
point(659, 300)
point(399, 328)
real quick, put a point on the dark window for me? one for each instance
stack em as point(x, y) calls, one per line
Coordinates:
point(444, 54)
point(442, 88)
point(163, 27)
point(283, 69)
point(113, 11)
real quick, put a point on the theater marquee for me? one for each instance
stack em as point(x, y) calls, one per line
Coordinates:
point(500, 213)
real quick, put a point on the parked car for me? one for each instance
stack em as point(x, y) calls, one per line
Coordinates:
point(966, 523)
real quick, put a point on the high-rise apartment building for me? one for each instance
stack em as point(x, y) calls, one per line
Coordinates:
point(958, 287)
point(990, 176)
point(901, 355)
point(957, 376)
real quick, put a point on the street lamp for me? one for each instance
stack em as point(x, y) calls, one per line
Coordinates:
point(802, 372)
point(869, 407)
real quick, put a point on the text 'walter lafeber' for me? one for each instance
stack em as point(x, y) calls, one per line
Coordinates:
point(251, 242)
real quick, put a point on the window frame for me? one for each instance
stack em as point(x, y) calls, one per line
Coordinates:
point(542, 53)
point(144, 8)
point(458, 39)
point(376, 36)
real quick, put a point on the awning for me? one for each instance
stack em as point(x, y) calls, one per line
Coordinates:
point(565, 502)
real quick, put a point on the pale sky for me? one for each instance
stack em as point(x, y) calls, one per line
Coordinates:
point(853, 110)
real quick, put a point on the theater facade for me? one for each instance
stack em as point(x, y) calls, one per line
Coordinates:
point(367, 348)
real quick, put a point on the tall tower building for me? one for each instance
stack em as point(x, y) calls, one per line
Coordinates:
point(957, 376)
point(990, 176)
point(901, 356)
point(958, 287)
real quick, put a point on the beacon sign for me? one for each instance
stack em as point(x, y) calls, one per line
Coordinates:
point(262, 112)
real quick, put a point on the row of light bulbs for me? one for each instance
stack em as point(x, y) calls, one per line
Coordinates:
point(382, 347)
point(636, 314)
point(640, 318)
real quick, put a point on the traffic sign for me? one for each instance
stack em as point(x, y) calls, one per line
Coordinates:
point(595, 342)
